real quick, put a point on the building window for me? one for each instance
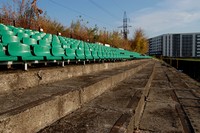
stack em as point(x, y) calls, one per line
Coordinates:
point(187, 41)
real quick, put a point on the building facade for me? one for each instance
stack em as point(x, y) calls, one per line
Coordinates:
point(175, 45)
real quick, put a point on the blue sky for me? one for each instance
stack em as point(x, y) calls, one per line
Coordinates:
point(155, 17)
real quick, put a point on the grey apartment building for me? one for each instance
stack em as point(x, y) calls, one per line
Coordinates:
point(175, 45)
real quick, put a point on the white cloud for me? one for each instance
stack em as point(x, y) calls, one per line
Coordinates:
point(168, 16)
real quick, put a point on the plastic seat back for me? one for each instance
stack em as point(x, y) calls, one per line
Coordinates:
point(88, 54)
point(2, 53)
point(41, 50)
point(36, 37)
point(80, 54)
point(95, 55)
point(57, 51)
point(29, 41)
point(9, 39)
point(44, 42)
point(99, 53)
point(16, 31)
point(4, 57)
point(3, 27)
point(22, 35)
point(56, 44)
point(29, 32)
point(65, 46)
point(6, 32)
point(70, 53)
point(19, 49)
point(74, 46)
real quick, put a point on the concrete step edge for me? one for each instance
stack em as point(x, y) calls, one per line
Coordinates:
point(11, 81)
point(40, 115)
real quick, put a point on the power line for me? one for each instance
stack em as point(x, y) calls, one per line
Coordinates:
point(104, 10)
point(117, 5)
point(79, 12)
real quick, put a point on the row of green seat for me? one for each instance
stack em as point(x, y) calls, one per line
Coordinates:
point(22, 45)
point(19, 51)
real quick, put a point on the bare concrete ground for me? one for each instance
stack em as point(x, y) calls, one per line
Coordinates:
point(187, 92)
point(110, 112)
point(160, 114)
point(174, 97)
point(172, 106)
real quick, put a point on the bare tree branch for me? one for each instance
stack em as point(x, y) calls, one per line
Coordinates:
point(37, 11)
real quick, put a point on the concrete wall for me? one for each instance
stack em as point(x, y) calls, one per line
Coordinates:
point(10, 81)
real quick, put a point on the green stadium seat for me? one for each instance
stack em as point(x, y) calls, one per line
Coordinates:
point(86, 45)
point(23, 51)
point(100, 55)
point(62, 40)
point(11, 27)
point(65, 46)
point(44, 42)
point(28, 45)
point(45, 52)
point(80, 54)
point(115, 56)
point(110, 55)
point(48, 37)
point(64, 43)
point(95, 55)
point(58, 52)
point(17, 30)
point(22, 35)
point(105, 55)
point(88, 55)
point(80, 46)
point(9, 39)
point(56, 44)
point(29, 41)
point(36, 32)
point(36, 37)
point(3, 27)
point(41, 34)
point(70, 54)
point(124, 55)
point(55, 39)
point(74, 46)
point(4, 57)
point(6, 32)
point(29, 32)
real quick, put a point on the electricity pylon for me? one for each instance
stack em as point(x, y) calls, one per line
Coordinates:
point(125, 26)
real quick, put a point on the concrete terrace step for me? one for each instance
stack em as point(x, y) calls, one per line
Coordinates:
point(147, 101)
point(29, 110)
point(15, 80)
point(111, 112)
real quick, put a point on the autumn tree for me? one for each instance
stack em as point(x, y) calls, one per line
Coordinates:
point(116, 39)
point(24, 12)
point(139, 42)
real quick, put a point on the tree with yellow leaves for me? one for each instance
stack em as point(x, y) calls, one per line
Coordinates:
point(140, 42)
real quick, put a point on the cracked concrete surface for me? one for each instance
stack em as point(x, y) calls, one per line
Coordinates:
point(109, 112)
point(112, 110)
